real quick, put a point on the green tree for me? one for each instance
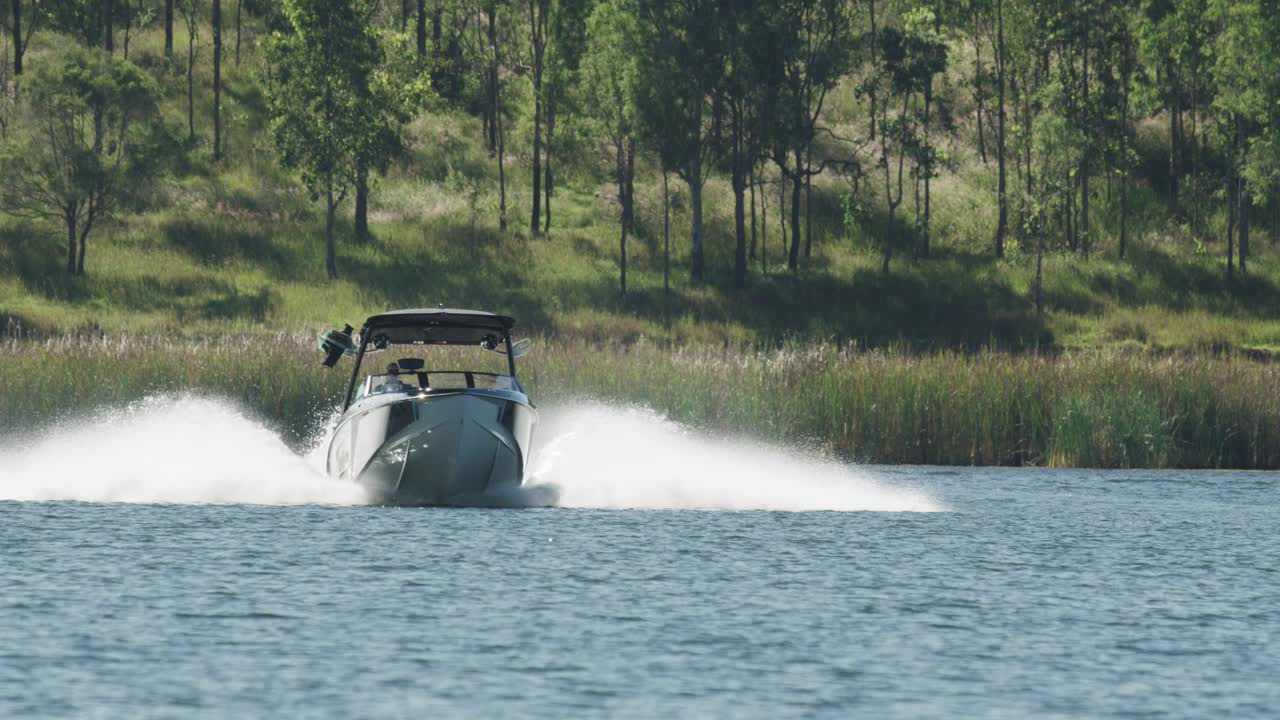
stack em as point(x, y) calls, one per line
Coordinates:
point(748, 91)
point(1174, 42)
point(568, 29)
point(1246, 73)
point(678, 68)
point(190, 11)
point(400, 87)
point(88, 144)
point(907, 60)
point(609, 76)
point(814, 47)
point(326, 118)
point(20, 37)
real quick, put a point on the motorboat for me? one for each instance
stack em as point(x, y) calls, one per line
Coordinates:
point(419, 435)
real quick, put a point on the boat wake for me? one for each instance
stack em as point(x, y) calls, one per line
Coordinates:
point(601, 456)
point(191, 449)
point(166, 449)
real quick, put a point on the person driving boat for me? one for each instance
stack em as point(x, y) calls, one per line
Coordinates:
point(391, 381)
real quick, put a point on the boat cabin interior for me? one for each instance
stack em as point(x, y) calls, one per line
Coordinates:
point(478, 341)
point(415, 381)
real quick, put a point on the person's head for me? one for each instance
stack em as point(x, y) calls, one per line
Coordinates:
point(393, 369)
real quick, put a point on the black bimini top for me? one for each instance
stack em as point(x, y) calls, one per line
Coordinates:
point(436, 326)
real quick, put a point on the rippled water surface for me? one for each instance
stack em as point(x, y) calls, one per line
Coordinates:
point(1037, 593)
point(1029, 593)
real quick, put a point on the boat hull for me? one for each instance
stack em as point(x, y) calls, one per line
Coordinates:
point(454, 448)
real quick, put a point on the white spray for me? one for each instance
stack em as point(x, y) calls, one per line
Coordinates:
point(602, 456)
point(180, 449)
point(189, 449)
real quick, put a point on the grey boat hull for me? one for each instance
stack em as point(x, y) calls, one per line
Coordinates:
point(447, 448)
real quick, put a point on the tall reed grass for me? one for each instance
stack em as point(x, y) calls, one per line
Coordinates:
point(1094, 410)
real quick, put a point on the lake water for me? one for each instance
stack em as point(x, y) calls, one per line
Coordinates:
point(241, 584)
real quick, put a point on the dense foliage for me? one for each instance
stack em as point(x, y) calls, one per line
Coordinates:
point(804, 110)
point(827, 176)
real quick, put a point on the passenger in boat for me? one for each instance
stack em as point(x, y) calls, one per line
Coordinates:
point(392, 383)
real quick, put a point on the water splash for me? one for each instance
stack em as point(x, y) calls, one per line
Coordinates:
point(602, 456)
point(170, 449)
point(191, 449)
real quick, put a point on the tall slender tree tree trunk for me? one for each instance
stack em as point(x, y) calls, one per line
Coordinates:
point(978, 93)
point(631, 184)
point(764, 226)
point(84, 238)
point(191, 89)
point(17, 37)
point(1231, 230)
point(362, 203)
point(502, 153)
point(1195, 161)
point(928, 103)
point(437, 25)
point(1242, 197)
point(217, 80)
point(493, 76)
point(1184, 155)
point(797, 188)
point(666, 235)
point(70, 217)
point(782, 208)
point(535, 220)
point(421, 26)
point(890, 241)
point(620, 169)
point(546, 185)
point(1002, 220)
point(739, 204)
point(1125, 74)
point(1088, 152)
point(1027, 116)
point(751, 183)
point(330, 244)
point(538, 41)
point(695, 197)
point(1175, 171)
point(128, 32)
point(1073, 235)
point(1039, 281)
point(1124, 213)
point(108, 32)
point(239, 4)
point(695, 207)
point(1232, 204)
point(808, 203)
point(874, 44)
point(168, 28)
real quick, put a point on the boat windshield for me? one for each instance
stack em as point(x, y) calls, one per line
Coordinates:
point(382, 383)
point(431, 381)
point(430, 368)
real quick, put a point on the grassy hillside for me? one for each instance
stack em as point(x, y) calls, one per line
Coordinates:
point(238, 247)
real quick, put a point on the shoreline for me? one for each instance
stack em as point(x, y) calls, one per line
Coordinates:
point(1072, 409)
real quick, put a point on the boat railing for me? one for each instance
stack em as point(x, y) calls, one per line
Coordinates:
point(436, 380)
point(488, 380)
